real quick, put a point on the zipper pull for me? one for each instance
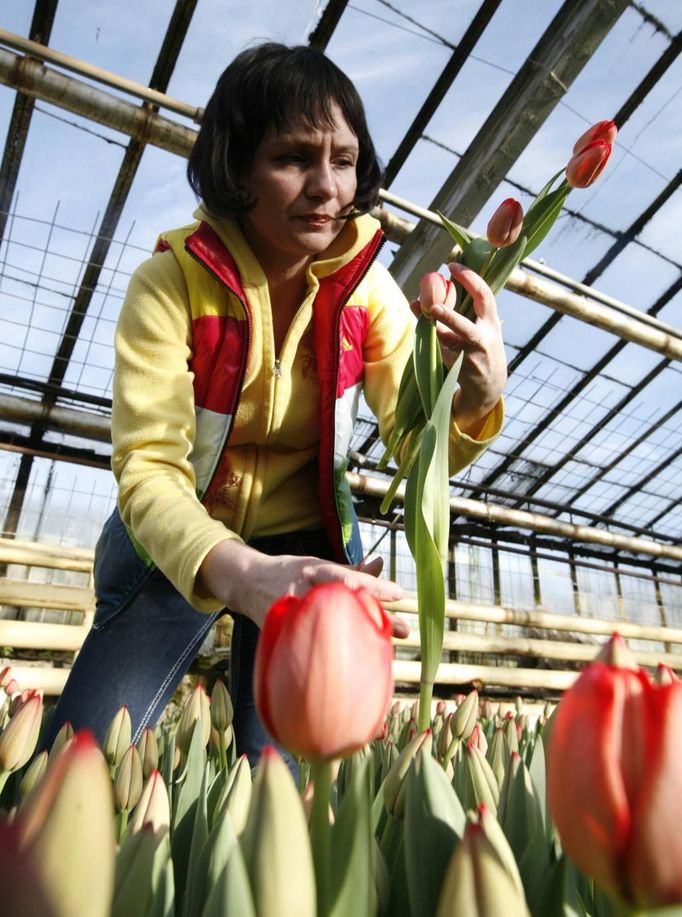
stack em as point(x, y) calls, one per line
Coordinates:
point(277, 369)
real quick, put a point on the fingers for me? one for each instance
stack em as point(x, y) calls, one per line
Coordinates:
point(481, 294)
point(324, 572)
point(399, 627)
point(373, 566)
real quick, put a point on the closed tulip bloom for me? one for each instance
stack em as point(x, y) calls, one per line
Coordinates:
point(195, 710)
point(153, 807)
point(148, 748)
point(505, 224)
point(323, 675)
point(67, 829)
point(18, 739)
point(602, 130)
point(585, 167)
point(128, 781)
point(221, 707)
point(435, 290)
point(615, 782)
point(117, 737)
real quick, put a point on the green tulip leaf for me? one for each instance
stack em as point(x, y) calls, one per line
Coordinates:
point(186, 800)
point(195, 890)
point(461, 237)
point(230, 895)
point(434, 823)
point(353, 849)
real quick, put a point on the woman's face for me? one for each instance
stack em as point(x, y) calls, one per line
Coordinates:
point(302, 179)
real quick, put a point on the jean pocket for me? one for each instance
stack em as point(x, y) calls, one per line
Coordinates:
point(119, 572)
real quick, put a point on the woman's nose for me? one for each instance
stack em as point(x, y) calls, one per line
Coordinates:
point(321, 180)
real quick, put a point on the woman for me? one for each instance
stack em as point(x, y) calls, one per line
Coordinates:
point(241, 350)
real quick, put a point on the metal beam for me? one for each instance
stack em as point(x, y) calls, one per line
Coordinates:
point(568, 43)
point(175, 34)
point(328, 21)
point(39, 31)
point(457, 60)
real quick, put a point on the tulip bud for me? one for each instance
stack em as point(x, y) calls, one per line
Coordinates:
point(128, 782)
point(434, 290)
point(394, 785)
point(616, 652)
point(221, 707)
point(235, 797)
point(585, 166)
point(34, 774)
point(505, 224)
point(602, 130)
point(664, 675)
point(148, 748)
point(67, 829)
point(117, 737)
point(20, 700)
point(479, 784)
point(6, 677)
point(465, 717)
point(276, 844)
point(195, 710)
point(154, 806)
point(440, 708)
point(482, 877)
point(18, 739)
point(62, 738)
point(478, 739)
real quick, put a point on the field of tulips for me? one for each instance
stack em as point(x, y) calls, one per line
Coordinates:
point(463, 818)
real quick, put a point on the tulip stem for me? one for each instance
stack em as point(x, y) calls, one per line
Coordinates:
point(320, 832)
point(425, 699)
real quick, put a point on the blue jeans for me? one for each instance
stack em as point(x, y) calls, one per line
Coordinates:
point(144, 638)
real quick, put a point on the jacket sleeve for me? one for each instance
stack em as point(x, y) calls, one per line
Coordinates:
point(388, 347)
point(153, 428)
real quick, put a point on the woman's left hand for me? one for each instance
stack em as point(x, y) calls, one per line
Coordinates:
point(484, 369)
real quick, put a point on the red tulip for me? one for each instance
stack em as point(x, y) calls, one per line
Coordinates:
point(602, 130)
point(505, 224)
point(615, 782)
point(585, 166)
point(323, 675)
point(435, 290)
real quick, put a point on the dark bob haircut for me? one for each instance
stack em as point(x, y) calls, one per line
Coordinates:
point(269, 86)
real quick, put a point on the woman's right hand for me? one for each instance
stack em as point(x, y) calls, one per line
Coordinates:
point(249, 582)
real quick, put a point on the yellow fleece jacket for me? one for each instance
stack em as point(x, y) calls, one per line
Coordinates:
point(264, 481)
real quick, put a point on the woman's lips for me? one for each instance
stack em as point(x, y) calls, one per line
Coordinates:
point(315, 219)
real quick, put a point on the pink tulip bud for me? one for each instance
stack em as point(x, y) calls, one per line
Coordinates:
point(615, 783)
point(5, 676)
point(602, 130)
point(665, 675)
point(505, 224)
point(434, 290)
point(323, 675)
point(440, 708)
point(585, 166)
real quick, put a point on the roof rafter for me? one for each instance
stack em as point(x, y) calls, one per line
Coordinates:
point(563, 50)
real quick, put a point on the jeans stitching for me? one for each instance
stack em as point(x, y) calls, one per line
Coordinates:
point(178, 663)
